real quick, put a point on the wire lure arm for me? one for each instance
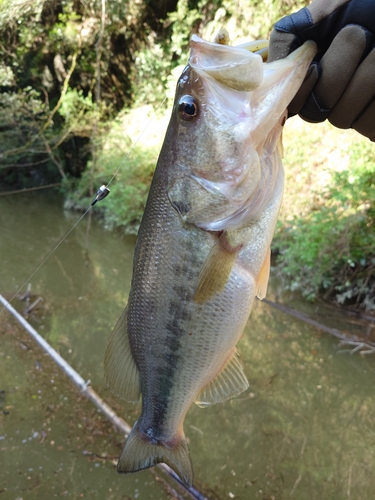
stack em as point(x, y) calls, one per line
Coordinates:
point(101, 193)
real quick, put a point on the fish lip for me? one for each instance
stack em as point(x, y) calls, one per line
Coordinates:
point(206, 57)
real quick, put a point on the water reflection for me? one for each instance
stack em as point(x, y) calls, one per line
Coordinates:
point(303, 430)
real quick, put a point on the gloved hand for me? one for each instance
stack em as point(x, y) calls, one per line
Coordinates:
point(340, 83)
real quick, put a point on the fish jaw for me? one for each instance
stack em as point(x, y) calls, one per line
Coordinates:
point(234, 67)
point(220, 173)
point(216, 166)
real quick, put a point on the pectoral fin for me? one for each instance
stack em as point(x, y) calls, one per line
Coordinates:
point(215, 271)
point(263, 277)
point(120, 370)
point(230, 382)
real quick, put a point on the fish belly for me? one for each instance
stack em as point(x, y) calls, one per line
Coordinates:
point(179, 345)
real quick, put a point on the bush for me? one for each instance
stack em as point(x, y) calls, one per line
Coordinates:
point(129, 150)
point(331, 249)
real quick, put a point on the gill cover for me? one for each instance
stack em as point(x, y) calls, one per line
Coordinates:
point(228, 156)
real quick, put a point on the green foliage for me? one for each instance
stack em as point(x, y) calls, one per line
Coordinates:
point(156, 59)
point(67, 76)
point(17, 10)
point(22, 115)
point(332, 248)
point(159, 56)
point(83, 66)
point(134, 166)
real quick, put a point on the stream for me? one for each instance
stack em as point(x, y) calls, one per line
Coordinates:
point(303, 430)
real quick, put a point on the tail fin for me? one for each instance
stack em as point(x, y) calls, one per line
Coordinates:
point(140, 452)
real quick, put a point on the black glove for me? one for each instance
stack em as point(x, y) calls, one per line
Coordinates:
point(340, 83)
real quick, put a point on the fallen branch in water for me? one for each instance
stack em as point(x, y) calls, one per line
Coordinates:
point(17, 191)
point(346, 339)
point(357, 347)
point(31, 307)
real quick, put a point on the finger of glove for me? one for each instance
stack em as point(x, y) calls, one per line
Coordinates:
point(340, 62)
point(338, 65)
point(329, 16)
point(281, 44)
point(321, 9)
point(365, 125)
point(284, 37)
point(320, 21)
point(358, 94)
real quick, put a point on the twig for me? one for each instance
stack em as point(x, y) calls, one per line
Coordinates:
point(357, 347)
point(345, 338)
point(47, 123)
point(21, 165)
point(52, 156)
point(298, 480)
point(17, 191)
point(31, 307)
point(304, 317)
point(26, 295)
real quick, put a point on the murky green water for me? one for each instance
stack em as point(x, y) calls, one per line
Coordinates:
point(304, 430)
point(53, 442)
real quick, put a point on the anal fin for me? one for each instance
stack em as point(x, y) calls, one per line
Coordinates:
point(120, 370)
point(230, 382)
point(263, 277)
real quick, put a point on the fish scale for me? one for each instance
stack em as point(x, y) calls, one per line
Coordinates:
point(203, 248)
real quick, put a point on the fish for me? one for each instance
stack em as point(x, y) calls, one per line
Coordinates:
point(203, 248)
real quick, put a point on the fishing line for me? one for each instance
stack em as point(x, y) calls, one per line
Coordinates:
point(46, 258)
point(102, 192)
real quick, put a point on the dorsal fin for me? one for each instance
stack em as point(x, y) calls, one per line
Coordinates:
point(230, 382)
point(120, 370)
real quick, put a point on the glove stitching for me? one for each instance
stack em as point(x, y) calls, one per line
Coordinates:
point(310, 114)
point(290, 23)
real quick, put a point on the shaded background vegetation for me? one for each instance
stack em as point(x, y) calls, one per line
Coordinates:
point(80, 80)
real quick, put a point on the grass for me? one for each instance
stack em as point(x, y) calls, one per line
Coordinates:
point(325, 238)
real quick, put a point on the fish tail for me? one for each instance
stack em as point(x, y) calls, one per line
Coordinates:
point(141, 452)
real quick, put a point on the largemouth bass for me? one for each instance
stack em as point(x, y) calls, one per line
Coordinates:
point(203, 249)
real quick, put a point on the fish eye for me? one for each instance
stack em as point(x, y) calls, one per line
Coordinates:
point(188, 108)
